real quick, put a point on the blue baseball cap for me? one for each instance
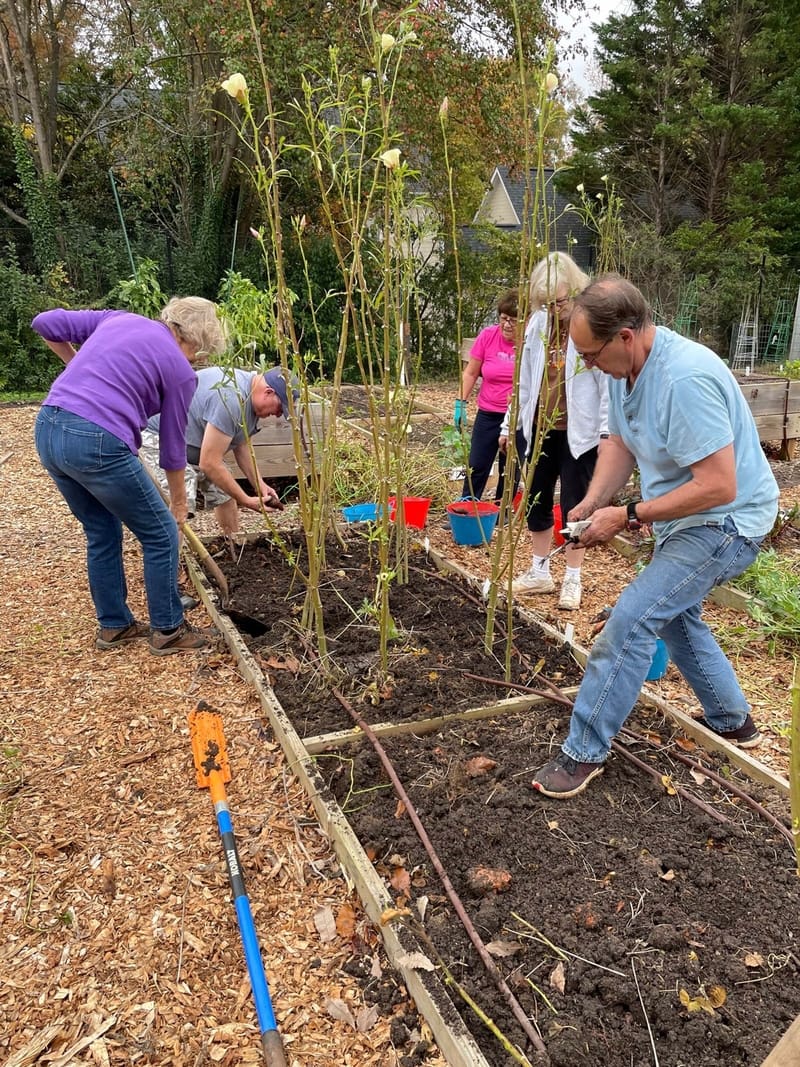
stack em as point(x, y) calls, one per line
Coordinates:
point(277, 383)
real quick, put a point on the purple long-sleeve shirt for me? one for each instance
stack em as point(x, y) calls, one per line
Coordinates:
point(127, 369)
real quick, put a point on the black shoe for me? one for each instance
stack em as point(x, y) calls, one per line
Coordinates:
point(564, 777)
point(188, 602)
point(745, 736)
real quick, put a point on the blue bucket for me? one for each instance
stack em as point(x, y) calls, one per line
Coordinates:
point(658, 668)
point(361, 513)
point(472, 522)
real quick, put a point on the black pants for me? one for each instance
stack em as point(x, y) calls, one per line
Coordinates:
point(482, 452)
point(556, 464)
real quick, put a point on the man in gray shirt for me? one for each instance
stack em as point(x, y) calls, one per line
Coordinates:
point(224, 414)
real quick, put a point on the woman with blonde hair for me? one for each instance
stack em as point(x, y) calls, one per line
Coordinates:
point(88, 432)
point(564, 406)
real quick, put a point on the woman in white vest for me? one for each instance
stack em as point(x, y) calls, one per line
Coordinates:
point(562, 414)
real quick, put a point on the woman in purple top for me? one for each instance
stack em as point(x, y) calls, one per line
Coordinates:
point(88, 434)
point(492, 360)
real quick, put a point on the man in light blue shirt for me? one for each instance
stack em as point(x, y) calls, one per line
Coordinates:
point(707, 490)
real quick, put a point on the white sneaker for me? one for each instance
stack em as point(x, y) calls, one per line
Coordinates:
point(570, 598)
point(533, 582)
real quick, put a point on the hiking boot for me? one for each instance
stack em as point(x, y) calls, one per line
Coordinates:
point(564, 777)
point(570, 598)
point(112, 638)
point(745, 736)
point(184, 639)
point(533, 582)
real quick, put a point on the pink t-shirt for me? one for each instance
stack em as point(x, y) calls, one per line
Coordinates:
point(496, 356)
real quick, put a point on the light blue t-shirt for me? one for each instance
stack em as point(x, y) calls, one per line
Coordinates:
point(685, 405)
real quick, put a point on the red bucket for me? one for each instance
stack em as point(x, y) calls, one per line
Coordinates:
point(415, 510)
point(558, 525)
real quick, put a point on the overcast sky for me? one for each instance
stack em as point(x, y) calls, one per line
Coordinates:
point(583, 70)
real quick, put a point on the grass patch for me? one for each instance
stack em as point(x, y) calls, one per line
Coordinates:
point(775, 581)
point(21, 398)
point(356, 479)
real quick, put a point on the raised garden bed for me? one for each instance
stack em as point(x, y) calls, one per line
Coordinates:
point(686, 926)
point(775, 405)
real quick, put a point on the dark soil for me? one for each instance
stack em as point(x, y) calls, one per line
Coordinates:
point(633, 927)
point(641, 885)
point(436, 662)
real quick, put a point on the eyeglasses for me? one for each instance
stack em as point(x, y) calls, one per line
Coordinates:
point(592, 356)
point(559, 303)
point(510, 319)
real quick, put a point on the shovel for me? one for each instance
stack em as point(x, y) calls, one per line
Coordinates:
point(213, 771)
point(209, 564)
point(251, 625)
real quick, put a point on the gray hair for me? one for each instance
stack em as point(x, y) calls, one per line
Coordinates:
point(196, 321)
point(612, 303)
point(550, 274)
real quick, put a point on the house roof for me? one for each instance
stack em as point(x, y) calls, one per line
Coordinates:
point(559, 226)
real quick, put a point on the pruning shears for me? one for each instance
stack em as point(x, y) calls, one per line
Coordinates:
point(571, 534)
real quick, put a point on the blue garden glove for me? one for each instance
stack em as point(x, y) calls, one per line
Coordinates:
point(460, 414)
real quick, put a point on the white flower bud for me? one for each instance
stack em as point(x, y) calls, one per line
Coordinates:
point(387, 42)
point(390, 158)
point(236, 86)
point(550, 82)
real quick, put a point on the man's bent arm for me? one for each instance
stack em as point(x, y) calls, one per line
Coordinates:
point(212, 464)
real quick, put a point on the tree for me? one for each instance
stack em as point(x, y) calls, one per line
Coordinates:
point(697, 128)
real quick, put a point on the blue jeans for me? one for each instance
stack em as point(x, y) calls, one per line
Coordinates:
point(105, 485)
point(663, 601)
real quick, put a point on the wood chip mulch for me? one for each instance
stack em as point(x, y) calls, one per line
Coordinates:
point(120, 943)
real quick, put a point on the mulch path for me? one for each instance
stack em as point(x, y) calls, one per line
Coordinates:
point(120, 943)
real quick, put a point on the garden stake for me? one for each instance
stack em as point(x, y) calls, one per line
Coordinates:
point(213, 771)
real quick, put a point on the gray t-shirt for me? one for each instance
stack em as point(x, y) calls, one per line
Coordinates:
point(222, 400)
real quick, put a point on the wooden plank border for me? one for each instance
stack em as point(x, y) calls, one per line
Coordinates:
point(454, 1040)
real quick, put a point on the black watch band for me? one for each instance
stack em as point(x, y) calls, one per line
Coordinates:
point(633, 521)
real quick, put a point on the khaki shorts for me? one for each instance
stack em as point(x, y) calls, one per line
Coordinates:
point(194, 477)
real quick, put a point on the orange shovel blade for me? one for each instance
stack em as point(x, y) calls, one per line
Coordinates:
point(208, 745)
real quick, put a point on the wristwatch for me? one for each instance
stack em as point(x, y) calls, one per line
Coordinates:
point(633, 521)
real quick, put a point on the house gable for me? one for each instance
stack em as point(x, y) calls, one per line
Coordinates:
point(497, 205)
point(558, 226)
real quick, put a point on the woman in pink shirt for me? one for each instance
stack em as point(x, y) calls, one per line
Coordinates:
point(492, 359)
